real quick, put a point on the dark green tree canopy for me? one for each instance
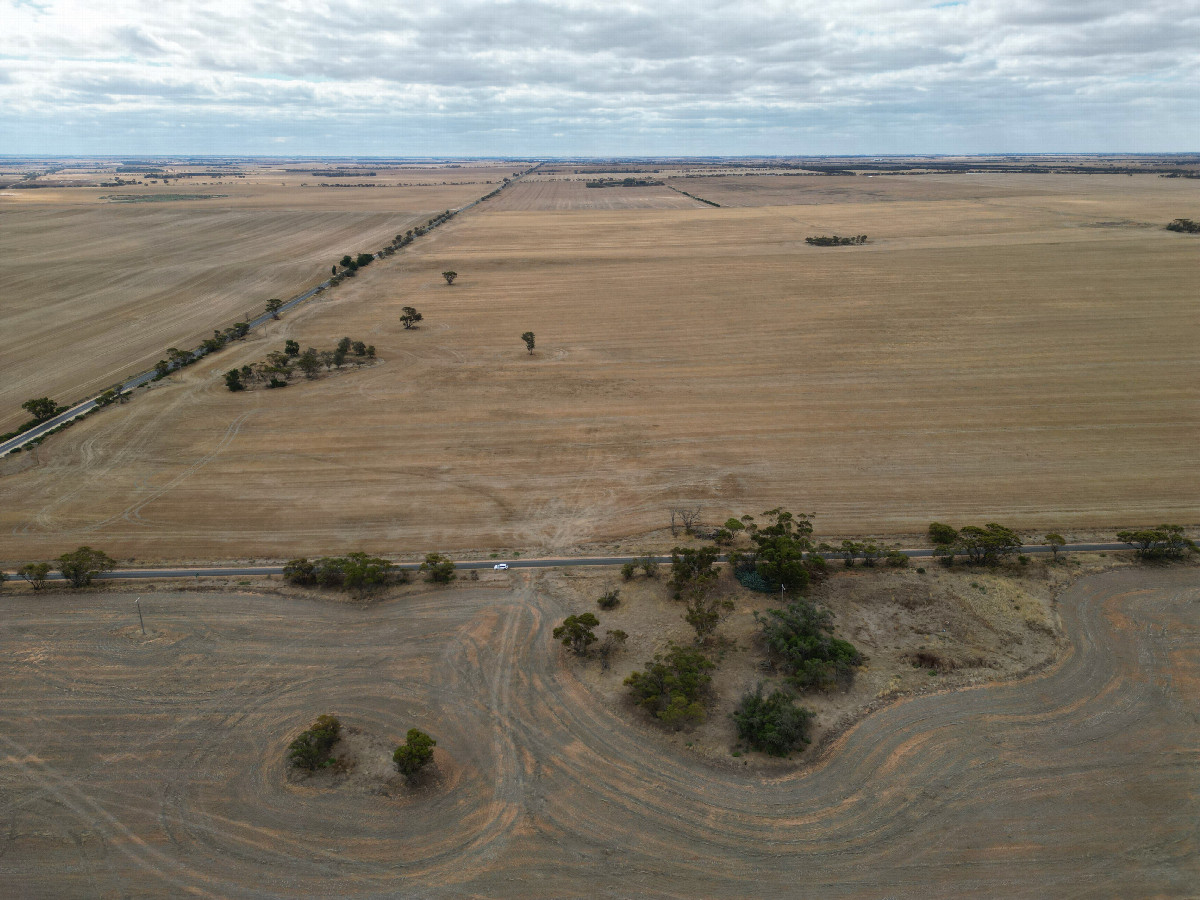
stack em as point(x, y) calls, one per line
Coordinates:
point(414, 754)
point(577, 632)
point(799, 639)
point(80, 566)
point(674, 685)
point(775, 724)
point(42, 408)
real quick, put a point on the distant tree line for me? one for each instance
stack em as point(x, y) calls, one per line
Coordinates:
point(625, 182)
point(1185, 226)
point(834, 240)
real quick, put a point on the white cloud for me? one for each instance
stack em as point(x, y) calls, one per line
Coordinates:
point(466, 76)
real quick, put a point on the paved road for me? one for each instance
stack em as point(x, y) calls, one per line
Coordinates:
point(135, 382)
point(546, 563)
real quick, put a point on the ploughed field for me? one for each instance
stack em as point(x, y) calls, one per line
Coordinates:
point(101, 280)
point(1015, 348)
point(145, 766)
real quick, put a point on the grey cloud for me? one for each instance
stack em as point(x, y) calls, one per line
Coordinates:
point(868, 75)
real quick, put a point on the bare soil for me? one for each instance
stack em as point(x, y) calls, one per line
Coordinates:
point(139, 766)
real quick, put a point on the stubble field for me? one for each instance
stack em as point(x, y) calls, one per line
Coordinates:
point(139, 766)
point(1019, 348)
point(102, 280)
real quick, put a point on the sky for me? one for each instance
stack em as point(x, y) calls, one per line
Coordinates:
point(531, 78)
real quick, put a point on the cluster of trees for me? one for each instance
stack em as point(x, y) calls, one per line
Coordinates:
point(675, 685)
point(800, 640)
point(359, 572)
point(625, 182)
point(312, 749)
point(870, 552)
point(988, 545)
point(438, 568)
point(834, 240)
point(1185, 226)
point(775, 724)
point(78, 567)
point(277, 369)
point(647, 564)
point(1163, 542)
point(578, 634)
point(783, 555)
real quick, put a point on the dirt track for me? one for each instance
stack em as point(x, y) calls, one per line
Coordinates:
point(151, 768)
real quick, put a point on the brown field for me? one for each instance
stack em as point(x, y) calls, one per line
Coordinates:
point(97, 290)
point(563, 195)
point(1024, 354)
point(151, 766)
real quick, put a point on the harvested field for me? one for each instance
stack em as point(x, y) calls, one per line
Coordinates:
point(98, 288)
point(534, 195)
point(1028, 360)
point(1078, 781)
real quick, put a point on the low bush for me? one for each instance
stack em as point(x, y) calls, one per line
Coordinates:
point(773, 724)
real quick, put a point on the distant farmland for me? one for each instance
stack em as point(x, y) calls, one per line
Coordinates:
point(1013, 348)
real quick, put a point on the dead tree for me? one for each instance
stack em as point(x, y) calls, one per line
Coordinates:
point(685, 517)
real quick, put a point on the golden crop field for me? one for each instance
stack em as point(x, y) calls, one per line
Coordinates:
point(1010, 348)
point(103, 279)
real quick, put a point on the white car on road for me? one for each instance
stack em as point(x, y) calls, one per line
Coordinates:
point(500, 566)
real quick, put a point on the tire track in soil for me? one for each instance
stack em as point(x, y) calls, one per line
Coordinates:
point(1076, 781)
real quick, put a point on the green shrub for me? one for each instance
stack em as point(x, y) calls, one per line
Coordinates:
point(311, 749)
point(774, 724)
point(674, 686)
point(800, 639)
point(414, 754)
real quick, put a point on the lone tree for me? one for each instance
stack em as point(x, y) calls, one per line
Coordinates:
point(233, 380)
point(291, 348)
point(1055, 542)
point(42, 408)
point(35, 574)
point(273, 307)
point(577, 632)
point(942, 535)
point(439, 568)
point(449, 276)
point(414, 754)
point(309, 363)
point(81, 566)
point(527, 337)
point(409, 317)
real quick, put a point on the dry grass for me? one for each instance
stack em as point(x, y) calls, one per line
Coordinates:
point(1024, 356)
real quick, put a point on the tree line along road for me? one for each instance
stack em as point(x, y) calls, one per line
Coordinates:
point(545, 563)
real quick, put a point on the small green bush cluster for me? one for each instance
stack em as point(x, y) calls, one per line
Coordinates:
point(775, 724)
point(311, 749)
point(800, 640)
point(674, 685)
point(355, 572)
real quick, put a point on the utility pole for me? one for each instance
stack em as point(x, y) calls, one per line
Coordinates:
point(138, 604)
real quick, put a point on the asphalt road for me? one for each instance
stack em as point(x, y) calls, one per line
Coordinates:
point(546, 563)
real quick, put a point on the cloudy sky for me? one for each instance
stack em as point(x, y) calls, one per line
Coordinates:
point(533, 77)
